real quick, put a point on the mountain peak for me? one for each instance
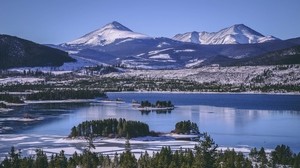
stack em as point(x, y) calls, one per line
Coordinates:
point(243, 29)
point(239, 25)
point(116, 25)
point(108, 34)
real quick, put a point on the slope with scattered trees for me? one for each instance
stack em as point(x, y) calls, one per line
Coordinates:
point(17, 52)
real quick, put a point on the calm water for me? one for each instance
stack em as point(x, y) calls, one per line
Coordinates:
point(231, 119)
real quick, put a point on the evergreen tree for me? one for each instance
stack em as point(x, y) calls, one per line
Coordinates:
point(262, 158)
point(127, 160)
point(282, 155)
point(206, 153)
point(41, 160)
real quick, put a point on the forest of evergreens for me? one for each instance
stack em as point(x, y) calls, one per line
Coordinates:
point(10, 99)
point(56, 94)
point(204, 155)
point(111, 128)
point(186, 127)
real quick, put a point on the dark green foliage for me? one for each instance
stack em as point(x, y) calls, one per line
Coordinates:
point(146, 104)
point(127, 159)
point(13, 160)
point(186, 127)
point(10, 99)
point(56, 94)
point(111, 128)
point(203, 156)
point(2, 105)
point(206, 153)
point(100, 70)
point(259, 156)
point(41, 160)
point(231, 159)
point(282, 155)
point(16, 52)
point(296, 161)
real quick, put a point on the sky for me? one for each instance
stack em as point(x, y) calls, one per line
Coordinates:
point(59, 21)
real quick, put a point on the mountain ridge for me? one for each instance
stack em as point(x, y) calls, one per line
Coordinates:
point(236, 34)
point(144, 52)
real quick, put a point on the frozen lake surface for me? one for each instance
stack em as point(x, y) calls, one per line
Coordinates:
point(233, 120)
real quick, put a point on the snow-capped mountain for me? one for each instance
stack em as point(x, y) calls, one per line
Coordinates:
point(236, 34)
point(107, 35)
point(115, 44)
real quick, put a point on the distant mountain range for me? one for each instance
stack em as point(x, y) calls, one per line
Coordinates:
point(115, 44)
point(17, 52)
point(118, 45)
point(236, 34)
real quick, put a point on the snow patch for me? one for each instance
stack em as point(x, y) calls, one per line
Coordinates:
point(186, 50)
point(21, 80)
point(160, 56)
point(20, 138)
point(193, 64)
point(158, 51)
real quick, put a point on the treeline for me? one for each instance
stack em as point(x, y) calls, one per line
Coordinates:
point(204, 155)
point(56, 94)
point(186, 127)
point(111, 128)
point(100, 70)
point(160, 104)
point(2, 105)
point(10, 99)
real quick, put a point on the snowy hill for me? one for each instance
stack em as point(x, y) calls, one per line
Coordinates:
point(107, 35)
point(236, 34)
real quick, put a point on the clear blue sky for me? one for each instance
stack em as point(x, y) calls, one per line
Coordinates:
point(58, 21)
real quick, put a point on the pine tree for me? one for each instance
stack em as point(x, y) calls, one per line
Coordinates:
point(41, 160)
point(205, 153)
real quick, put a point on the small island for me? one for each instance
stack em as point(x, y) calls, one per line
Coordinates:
point(111, 128)
point(186, 127)
point(158, 106)
point(121, 128)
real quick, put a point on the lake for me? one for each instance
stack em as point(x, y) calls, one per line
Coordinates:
point(233, 120)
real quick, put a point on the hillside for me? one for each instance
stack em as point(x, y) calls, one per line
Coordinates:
point(17, 52)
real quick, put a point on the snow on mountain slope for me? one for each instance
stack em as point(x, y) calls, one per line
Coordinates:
point(236, 34)
point(107, 35)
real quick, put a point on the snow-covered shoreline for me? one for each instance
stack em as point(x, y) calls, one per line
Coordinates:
point(5, 110)
point(52, 144)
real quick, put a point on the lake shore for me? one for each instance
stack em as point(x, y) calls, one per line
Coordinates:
point(53, 144)
point(59, 101)
point(189, 92)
